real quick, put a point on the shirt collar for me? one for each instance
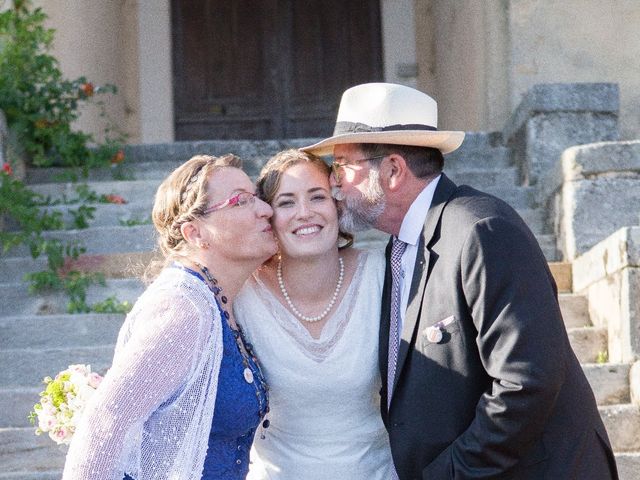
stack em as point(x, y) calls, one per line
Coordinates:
point(413, 222)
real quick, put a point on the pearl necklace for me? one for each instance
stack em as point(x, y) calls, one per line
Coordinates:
point(293, 308)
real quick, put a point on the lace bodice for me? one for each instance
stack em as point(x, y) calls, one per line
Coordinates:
point(324, 393)
point(152, 414)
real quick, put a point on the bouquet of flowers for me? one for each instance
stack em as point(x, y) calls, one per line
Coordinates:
point(63, 401)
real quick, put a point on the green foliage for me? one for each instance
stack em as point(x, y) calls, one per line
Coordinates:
point(602, 357)
point(75, 286)
point(132, 222)
point(40, 106)
point(21, 205)
point(112, 305)
point(82, 215)
point(39, 103)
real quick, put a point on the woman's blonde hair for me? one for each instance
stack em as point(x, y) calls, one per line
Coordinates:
point(182, 197)
point(270, 177)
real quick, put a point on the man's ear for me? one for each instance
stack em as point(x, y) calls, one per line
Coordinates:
point(393, 171)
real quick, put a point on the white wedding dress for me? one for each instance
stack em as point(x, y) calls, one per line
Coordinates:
point(324, 393)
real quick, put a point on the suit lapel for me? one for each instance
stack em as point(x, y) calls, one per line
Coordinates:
point(421, 271)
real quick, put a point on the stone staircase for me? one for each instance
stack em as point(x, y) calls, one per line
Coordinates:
point(37, 337)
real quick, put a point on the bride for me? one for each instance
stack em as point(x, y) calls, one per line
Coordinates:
point(312, 315)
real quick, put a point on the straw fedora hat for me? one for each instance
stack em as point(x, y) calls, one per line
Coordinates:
point(388, 113)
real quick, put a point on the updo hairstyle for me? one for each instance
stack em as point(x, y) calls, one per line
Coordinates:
point(270, 177)
point(182, 197)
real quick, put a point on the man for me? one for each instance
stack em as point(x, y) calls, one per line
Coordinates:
point(479, 379)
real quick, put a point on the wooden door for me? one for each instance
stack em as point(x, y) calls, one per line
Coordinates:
point(269, 68)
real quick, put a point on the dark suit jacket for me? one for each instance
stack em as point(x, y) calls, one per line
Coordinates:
point(502, 395)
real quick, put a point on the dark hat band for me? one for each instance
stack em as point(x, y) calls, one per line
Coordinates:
point(354, 127)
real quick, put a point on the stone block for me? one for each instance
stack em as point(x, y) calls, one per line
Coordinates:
point(564, 97)
point(609, 382)
point(603, 158)
point(634, 383)
point(554, 117)
point(575, 310)
point(623, 426)
point(588, 342)
point(628, 465)
point(601, 184)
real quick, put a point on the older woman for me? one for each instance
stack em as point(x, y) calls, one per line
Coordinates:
point(312, 313)
point(185, 393)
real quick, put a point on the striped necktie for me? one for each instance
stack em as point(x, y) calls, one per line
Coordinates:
point(397, 249)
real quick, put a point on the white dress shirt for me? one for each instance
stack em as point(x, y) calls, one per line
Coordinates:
point(410, 231)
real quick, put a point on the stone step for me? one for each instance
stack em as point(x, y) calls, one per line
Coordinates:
point(588, 342)
point(18, 300)
point(155, 161)
point(22, 475)
point(29, 366)
point(623, 426)
point(628, 465)
point(481, 140)
point(483, 179)
point(547, 242)
point(17, 403)
point(110, 215)
point(140, 191)
point(575, 310)
point(138, 212)
point(132, 191)
point(59, 331)
point(112, 265)
point(23, 451)
point(479, 158)
point(563, 275)
point(609, 382)
point(101, 240)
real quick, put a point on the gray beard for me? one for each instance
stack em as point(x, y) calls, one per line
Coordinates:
point(360, 213)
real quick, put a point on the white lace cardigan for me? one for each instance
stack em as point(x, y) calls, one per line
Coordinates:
point(151, 416)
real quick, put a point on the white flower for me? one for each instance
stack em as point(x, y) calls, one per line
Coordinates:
point(46, 422)
point(83, 370)
point(61, 435)
point(59, 415)
point(94, 380)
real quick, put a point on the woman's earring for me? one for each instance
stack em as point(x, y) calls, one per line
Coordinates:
point(205, 245)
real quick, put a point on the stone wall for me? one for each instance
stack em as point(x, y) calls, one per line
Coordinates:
point(479, 59)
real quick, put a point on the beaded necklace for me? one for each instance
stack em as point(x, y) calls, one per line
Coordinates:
point(244, 347)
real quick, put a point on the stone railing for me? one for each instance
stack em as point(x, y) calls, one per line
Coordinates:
point(609, 276)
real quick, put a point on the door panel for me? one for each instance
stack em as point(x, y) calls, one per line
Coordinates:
point(239, 73)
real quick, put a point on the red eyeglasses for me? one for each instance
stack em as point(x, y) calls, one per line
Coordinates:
point(238, 200)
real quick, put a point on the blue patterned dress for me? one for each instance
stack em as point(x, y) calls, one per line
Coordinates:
point(238, 412)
